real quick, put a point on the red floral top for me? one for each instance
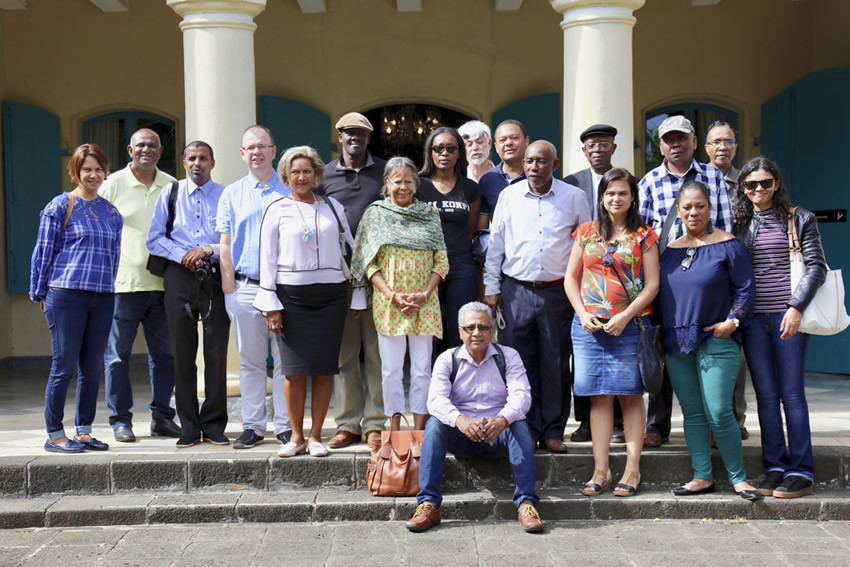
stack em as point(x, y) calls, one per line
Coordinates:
point(602, 293)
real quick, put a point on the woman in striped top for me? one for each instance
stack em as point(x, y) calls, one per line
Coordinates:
point(775, 351)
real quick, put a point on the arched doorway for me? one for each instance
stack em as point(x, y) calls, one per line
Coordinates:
point(401, 129)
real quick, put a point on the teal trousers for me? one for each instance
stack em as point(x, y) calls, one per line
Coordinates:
point(703, 382)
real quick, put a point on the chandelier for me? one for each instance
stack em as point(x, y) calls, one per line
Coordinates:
point(408, 125)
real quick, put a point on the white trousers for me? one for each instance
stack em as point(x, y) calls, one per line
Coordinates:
point(252, 340)
point(392, 350)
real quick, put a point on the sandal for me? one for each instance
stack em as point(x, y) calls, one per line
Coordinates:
point(625, 488)
point(595, 489)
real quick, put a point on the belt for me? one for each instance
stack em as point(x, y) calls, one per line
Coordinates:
point(243, 278)
point(538, 285)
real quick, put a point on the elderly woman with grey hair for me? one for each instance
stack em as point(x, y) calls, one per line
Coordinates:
point(303, 291)
point(478, 141)
point(401, 249)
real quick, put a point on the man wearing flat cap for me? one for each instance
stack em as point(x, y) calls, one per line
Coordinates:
point(659, 193)
point(597, 145)
point(355, 179)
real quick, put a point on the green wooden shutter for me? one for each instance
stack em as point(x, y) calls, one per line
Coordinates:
point(295, 124)
point(541, 116)
point(32, 163)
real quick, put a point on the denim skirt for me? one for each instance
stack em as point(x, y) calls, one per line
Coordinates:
point(604, 364)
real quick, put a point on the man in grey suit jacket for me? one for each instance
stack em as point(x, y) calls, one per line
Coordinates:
point(598, 147)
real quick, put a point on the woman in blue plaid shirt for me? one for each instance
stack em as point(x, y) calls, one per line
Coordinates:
point(73, 276)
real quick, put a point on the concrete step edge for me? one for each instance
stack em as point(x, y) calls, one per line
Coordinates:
point(342, 505)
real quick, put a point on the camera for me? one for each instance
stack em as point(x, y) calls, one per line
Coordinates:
point(205, 271)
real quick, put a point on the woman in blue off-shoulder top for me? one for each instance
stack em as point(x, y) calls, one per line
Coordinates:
point(706, 290)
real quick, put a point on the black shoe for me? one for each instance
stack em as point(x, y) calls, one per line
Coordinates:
point(772, 479)
point(247, 440)
point(284, 436)
point(582, 434)
point(124, 434)
point(216, 438)
point(793, 486)
point(188, 441)
point(165, 428)
point(618, 435)
point(751, 495)
point(744, 433)
point(682, 491)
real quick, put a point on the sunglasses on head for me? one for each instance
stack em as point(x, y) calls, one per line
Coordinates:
point(441, 149)
point(751, 185)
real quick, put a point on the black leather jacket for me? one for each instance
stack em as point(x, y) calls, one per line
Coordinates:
point(813, 259)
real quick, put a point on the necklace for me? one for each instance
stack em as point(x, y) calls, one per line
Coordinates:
point(308, 231)
point(697, 240)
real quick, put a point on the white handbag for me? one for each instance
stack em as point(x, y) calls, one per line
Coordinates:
point(826, 314)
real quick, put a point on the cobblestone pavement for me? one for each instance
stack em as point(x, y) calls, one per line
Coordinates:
point(632, 543)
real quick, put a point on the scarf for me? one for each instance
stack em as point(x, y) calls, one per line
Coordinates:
point(416, 227)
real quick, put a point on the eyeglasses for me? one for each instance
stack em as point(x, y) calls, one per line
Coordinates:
point(608, 258)
point(258, 147)
point(593, 146)
point(686, 262)
point(441, 149)
point(718, 143)
point(473, 328)
point(752, 185)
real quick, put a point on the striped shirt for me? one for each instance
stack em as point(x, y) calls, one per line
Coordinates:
point(771, 265)
point(84, 256)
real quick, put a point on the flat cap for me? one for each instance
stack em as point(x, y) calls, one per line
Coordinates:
point(354, 120)
point(603, 129)
point(675, 124)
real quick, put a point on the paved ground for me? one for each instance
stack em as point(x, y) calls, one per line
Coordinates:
point(633, 543)
point(22, 417)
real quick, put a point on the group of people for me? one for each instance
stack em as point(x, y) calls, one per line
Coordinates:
point(373, 257)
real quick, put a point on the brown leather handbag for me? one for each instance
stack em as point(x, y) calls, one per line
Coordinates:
point(394, 473)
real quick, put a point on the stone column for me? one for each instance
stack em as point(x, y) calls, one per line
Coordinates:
point(597, 74)
point(220, 97)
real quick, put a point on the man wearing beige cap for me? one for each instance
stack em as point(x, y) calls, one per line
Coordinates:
point(659, 193)
point(355, 179)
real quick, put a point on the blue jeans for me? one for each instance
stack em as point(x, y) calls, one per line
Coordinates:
point(147, 308)
point(460, 287)
point(79, 325)
point(515, 442)
point(778, 370)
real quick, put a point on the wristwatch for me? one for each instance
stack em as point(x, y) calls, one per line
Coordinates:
point(208, 250)
point(736, 321)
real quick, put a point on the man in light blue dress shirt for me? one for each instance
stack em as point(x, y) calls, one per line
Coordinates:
point(240, 214)
point(193, 293)
point(530, 243)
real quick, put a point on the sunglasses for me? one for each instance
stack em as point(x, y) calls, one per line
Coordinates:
point(752, 185)
point(608, 258)
point(441, 149)
point(686, 262)
point(472, 328)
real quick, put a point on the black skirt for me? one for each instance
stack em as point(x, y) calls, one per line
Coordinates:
point(313, 320)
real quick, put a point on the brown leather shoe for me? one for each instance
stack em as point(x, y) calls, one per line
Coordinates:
point(373, 439)
point(554, 445)
point(654, 440)
point(529, 519)
point(426, 515)
point(342, 439)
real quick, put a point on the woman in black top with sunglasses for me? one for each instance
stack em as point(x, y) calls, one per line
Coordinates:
point(458, 198)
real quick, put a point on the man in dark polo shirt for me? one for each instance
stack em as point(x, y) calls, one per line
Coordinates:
point(355, 180)
point(511, 140)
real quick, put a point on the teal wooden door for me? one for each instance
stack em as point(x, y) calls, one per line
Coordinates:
point(805, 130)
point(32, 165)
point(541, 116)
point(295, 124)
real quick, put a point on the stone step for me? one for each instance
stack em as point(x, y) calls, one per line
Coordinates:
point(250, 470)
point(330, 505)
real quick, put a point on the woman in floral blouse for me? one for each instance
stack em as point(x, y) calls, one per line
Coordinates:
point(401, 249)
point(611, 279)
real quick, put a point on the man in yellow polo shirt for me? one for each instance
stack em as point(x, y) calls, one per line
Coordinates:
point(134, 190)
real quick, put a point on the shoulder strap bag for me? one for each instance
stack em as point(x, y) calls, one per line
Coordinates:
point(158, 264)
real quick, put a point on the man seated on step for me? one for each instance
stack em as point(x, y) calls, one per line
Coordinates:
point(478, 399)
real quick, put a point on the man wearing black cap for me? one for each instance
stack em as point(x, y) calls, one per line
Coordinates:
point(597, 144)
point(355, 179)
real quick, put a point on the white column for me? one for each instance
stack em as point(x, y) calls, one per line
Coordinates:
point(597, 74)
point(221, 99)
point(218, 70)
